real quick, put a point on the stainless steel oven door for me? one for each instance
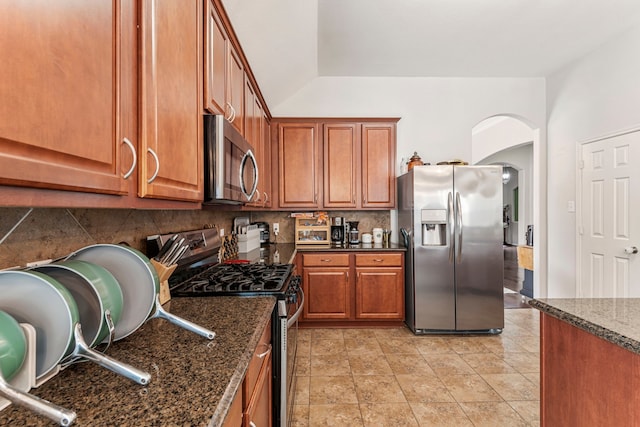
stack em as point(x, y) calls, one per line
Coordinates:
point(289, 325)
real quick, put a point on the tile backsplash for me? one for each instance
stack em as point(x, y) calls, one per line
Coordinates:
point(32, 234)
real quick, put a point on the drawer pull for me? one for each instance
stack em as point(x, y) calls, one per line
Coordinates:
point(378, 260)
point(326, 260)
point(263, 355)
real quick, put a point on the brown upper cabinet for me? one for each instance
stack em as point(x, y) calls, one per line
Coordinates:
point(109, 114)
point(171, 101)
point(299, 165)
point(378, 189)
point(257, 134)
point(66, 96)
point(355, 164)
point(224, 70)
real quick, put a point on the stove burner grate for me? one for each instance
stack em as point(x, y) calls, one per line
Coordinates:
point(230, 279)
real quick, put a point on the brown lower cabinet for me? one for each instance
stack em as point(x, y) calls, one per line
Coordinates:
point(252, 405)
point(352, 287)
point(585, 380)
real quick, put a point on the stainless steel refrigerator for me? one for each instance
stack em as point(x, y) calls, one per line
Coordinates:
point(450, 218)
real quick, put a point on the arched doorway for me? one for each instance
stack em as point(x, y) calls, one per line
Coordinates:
point(514, 141)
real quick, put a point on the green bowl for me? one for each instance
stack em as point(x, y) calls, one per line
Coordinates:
point(13, 346)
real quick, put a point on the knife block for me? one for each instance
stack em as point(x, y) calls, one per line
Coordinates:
point(164, 273)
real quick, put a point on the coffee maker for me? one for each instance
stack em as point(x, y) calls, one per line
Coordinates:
point(354, 235)
point(338, 231)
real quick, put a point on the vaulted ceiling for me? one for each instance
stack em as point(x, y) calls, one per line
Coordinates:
point(290, 42)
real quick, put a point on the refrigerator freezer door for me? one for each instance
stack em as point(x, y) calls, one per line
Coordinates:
point(434, 289)
point(479, 258)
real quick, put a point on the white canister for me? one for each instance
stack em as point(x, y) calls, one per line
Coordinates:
point(377, 235)
point(366, 238)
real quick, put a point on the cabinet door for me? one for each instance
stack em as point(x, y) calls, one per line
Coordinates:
point(379, 293)
point(215, 65)
point(326, 293)
point(265, 172)
point(259, 409)
point(299, 165)
point(341, 146)
point(378, 165)
point(171, 160)
point(235, 88)
point(62, 112)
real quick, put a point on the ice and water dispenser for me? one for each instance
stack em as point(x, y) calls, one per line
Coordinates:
point(434, 227)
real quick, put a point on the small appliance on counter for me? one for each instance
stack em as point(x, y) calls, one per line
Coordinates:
point(264, 231)
point(338, 231)
point(354, 235)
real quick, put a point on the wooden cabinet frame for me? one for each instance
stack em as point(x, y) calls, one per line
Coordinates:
point(351, 288)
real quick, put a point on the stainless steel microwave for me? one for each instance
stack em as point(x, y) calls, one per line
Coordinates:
point(231, 169)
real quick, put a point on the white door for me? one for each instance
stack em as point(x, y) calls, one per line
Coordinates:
point(610, 221)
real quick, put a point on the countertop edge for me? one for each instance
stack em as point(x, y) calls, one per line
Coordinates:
point(235, 383)
point(587, 326)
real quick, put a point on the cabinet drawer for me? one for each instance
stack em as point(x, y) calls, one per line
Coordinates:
point(325, 260)
point(379, 260)
point(261, 354)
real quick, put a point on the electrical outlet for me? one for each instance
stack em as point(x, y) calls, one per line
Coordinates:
point(276, 228)
point(221, 232)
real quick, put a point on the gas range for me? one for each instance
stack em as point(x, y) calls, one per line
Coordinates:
point(231, 279)
point(200, 272)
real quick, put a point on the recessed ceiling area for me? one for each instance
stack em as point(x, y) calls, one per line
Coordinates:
point(290, 42)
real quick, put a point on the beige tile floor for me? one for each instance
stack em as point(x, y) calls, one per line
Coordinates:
point(390, 377)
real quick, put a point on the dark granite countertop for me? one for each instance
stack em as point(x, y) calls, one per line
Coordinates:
point(616, 320)
point(363, 247)
point(285, 252)
point(193, 380)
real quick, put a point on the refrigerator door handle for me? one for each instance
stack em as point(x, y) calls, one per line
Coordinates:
point(459, 227)
point(451, 227)
point(406, 235)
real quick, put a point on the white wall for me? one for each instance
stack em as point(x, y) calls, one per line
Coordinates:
point(437, 114)
point(597, 95)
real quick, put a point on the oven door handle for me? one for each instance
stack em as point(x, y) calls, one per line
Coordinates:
point(294, 318)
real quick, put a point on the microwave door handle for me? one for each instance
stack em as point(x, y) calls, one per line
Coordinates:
point(248, 156)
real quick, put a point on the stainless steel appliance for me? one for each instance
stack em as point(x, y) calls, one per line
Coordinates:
point(201, 274)
point(354, 235)
point(231, 170)
point(451, 221)
point(338, 231)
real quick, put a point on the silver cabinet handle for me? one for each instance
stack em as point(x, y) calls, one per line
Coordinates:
point(135, 158)
point(631, 250)
point(233, 114)
point(263, 355)
point(377, 260)
point(155, 174)
point(252, 424)
point(227, 104)
point(326, 260)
